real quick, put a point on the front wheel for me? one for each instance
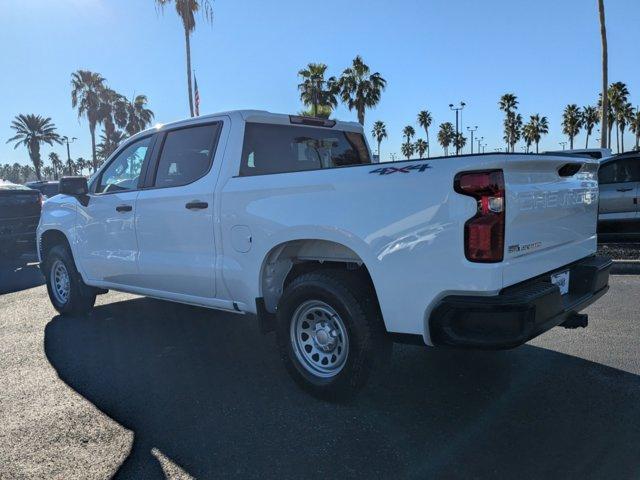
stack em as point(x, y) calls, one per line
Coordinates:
point(67, 292)
point(330, 333)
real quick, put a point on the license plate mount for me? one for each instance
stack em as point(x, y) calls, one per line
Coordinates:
point(561, 279)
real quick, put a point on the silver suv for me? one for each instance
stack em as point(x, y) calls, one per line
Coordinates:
point(619, 178)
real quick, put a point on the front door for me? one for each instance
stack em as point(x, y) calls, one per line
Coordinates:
point(106, 237)
point(175, 212)
point(619, 181)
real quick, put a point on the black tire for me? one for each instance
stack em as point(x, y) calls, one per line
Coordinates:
point(81, 297)
point(355, 303)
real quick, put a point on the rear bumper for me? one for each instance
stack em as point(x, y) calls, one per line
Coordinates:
point(520, 312)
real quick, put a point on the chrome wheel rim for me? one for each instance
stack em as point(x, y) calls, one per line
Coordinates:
point(319, 338)
point(60, 282)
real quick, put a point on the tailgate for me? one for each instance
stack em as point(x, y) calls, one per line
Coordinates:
point(551, 213)
point(19, 212)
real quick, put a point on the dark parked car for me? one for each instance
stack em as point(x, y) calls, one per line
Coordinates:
point(48, 188)
point(19, 216)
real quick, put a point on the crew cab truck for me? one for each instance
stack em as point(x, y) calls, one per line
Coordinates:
point(285, 217)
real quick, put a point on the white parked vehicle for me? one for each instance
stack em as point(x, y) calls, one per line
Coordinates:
point(285, 217)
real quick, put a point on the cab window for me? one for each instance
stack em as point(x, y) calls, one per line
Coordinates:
point(283, 148)
point(186, 155)
point(620, 171)
point(123, 172)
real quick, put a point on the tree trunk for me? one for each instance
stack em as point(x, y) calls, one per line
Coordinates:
point(34, 154)
point(637, 140)
point(428, 143)
point(605, 75)
point(93, 148)
point(379, 142)
point(586, 145)
point(622, 139)
point(617, 138)
point(361, 116)
point(570, 143)
point(537, 147)
point(187, 42)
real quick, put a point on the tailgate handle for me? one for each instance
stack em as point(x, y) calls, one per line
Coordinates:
point(624, 189)
point(569, 169)
point(124, 208)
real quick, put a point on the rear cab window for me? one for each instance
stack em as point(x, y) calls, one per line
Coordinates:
point(271, 148)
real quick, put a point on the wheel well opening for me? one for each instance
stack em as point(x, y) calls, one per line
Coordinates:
point(292, 259)
point(50, 239)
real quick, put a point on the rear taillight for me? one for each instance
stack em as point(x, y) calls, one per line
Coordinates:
point(484, 232)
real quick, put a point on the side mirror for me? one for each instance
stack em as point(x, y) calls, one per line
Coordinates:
point(74, 186)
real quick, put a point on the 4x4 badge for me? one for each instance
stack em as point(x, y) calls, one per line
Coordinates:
point(421, 167)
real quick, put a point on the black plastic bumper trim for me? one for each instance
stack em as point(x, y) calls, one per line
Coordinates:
point(520, 312)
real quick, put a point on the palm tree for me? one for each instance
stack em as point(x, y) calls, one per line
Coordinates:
point(634, 126)
point(56, 163)
point(32, 130)
point(590, 118)
point(407, 149)
point(605, 76)
point(624, 115)
point(138, 116)
point(459, 141)
point(421, 147)
point(379, 132)
point(71, 167)
point(528, 134)
point(316, 91)
point(48, 172)
point(108, 144)
point(80, 165)
point(86, 93)
point(618, 96)
point(359, 88)
point(186, 10)
point(424, 120)
point(509, 104)
point(512, 130)
point(571, 122)
point(445, 136)
point(536, 127)
point(408, 132)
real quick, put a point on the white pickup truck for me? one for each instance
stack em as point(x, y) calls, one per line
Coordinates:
point(285, 217)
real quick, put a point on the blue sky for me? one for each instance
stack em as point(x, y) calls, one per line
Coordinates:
point(432, 53)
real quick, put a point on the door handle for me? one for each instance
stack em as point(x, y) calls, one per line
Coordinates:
point(624, 189)
point(196, 205)
point(124, 208)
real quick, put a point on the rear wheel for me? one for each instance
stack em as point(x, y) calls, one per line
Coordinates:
point(330, 333)
point(67, 291)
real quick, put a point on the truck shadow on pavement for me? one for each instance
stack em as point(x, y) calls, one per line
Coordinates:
point(19, 274)
point(208, 391)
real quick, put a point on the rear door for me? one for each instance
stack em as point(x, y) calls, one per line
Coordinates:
point(106, 238)
point(175, 214)
point(619, 182)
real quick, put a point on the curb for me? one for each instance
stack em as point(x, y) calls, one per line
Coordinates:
point(625, 267)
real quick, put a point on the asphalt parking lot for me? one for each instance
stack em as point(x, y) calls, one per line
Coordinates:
point(147, 389)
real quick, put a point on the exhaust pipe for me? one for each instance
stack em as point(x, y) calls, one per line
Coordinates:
point(576, 320)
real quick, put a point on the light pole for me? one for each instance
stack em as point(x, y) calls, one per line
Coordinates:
point(484, 146)
point(393, 157)
point(472, 130)
point(458, 111)
point(479, 144)
point(68, 141)
point(563, 144)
